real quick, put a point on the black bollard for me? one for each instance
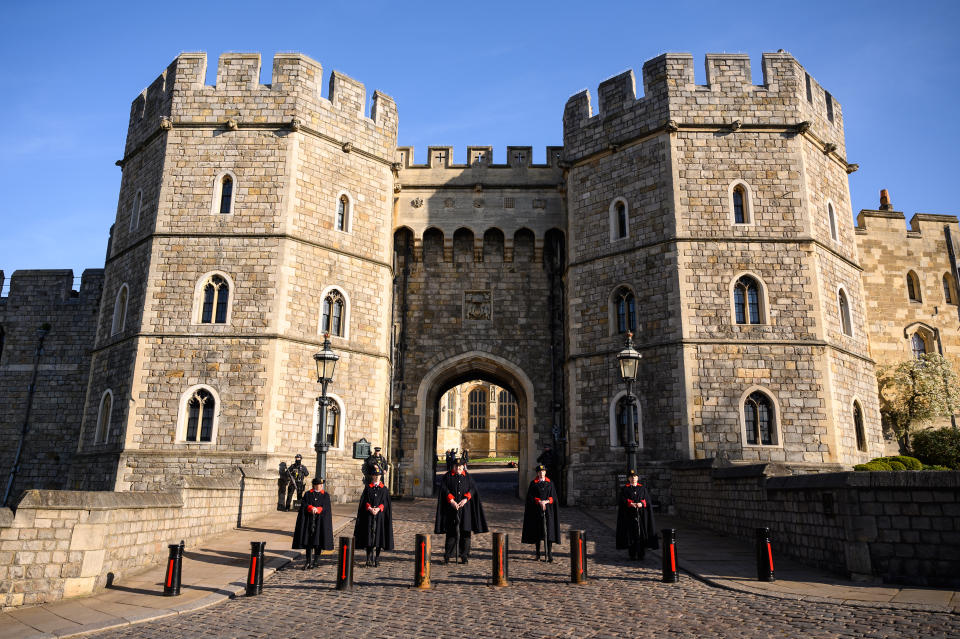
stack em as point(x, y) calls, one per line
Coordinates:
point(670, 573)
point(764, 556)
point(578, 557)
point(171, 583)
point(345, 564)
point(255, 574)
point(501, 565)
point(421, 575)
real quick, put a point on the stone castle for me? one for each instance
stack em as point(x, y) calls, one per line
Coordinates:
point(714, 222)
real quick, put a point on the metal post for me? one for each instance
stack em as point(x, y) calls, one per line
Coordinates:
point(578, 557)
point(243, 477)
point(501, 566)
point(764, 556)
point(321, 445)
point(345, 564)
point(255, 574)
point(421, 575)
point(171, 581)
point(631, 429)
point(670, 573)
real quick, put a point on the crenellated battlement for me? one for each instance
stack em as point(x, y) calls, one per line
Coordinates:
point(480, 158)
point(179, 96)
point(885, 222)
point(46, 286)
point(729, 100)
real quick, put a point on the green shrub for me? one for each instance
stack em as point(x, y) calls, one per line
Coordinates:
point(938, 447)
point(911, 463)
point(895, 465)
point(873, 465)
point(926, 467)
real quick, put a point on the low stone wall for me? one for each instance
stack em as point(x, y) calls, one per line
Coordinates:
point(62, 543)
point(898, 527)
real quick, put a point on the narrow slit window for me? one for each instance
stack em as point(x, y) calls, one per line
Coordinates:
point(332, 315)
point(343, 206)
point(739, 209)
point(832, 218)
point(829, 100)
point(621, 220)
point(626, 308)
point(844, 313)
point(913, 287)
point(135, 211)
point(858, 428)
point(226, 194)
point(948, 294)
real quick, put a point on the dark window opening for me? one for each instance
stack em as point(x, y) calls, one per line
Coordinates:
point(226, 194)
point(758, 418)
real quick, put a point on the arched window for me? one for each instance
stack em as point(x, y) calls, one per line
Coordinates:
point(746, 301)
point(739, 205)
point(477, 409)
point(759, 420)
point(201, 408)
point(741, 208)
point(949, 292)
point(342, 219)
point(918, 345)
point(625, 307)
point(913, 287)
point(119, 311)
point(103, 417)
point(332, 319)
point(844, 312)
point(451, 409)
point(135, 211)
point(858, 427)
point(216, 300)
point(507, 410)
point(619, 219)
point(226, 194)
point(832, 219)
point(623, 416)
point(432, 246)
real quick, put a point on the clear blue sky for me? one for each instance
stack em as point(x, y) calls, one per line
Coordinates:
point(491, 73)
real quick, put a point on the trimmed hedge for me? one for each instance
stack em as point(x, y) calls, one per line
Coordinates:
point(938, 447)
point(898, 462)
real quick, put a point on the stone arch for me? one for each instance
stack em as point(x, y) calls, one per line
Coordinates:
point(402, 247)
point(463, 245)
point(456, 370)
point(493, 243)
point(432, 246)
point(523, 244)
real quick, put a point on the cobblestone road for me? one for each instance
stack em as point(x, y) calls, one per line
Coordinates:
point(623, 599)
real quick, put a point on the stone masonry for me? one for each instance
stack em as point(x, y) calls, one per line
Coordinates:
point(449, 273)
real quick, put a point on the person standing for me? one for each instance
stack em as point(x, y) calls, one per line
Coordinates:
point(314, 529)
point(541, 521)
point(374, 525)
point(636, 530)
point(298, 474)
point(374, 460)
point(459, 512)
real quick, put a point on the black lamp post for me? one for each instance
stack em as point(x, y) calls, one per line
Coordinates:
point(326, 361)
point(629, 360)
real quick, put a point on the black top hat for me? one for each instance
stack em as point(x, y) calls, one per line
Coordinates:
point(376, 448)
point(317, 480)
point(632, 473)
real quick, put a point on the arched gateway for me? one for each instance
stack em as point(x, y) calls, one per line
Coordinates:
point(448, 374)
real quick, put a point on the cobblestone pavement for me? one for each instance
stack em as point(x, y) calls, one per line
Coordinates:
point(623, 598)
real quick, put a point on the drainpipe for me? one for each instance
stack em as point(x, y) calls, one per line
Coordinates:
point(41, 334)
point(956, 279)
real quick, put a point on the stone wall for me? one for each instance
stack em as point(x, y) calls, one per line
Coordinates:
point(70, 308)
point(63, 544)
point(898, 527)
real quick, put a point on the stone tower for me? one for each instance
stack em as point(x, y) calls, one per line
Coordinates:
point(695, 200)
point(251, 218)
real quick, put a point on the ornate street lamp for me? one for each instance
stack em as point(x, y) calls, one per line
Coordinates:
point(629, 360)
point(326, 361)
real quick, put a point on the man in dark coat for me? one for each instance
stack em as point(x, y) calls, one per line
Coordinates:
point(636, 530)
point(314, 529)
point(374, 461)
point(374, 526)
point(459, 512)
point(298, 480)
point(541, 522)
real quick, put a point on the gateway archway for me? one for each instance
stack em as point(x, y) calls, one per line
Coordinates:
point(474, 365)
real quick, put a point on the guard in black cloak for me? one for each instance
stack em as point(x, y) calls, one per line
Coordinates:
point(636, 530)
point(297, 474)
point(459, 512)
point(374, 527)
point(541, 522)
point(314, 529)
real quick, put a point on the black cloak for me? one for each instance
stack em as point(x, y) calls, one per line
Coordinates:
point(374, 531)
point(635, 526)
point(542, 490)
point(314, 530)
point(456, 487)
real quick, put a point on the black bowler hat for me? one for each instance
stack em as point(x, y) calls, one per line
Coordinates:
point(316, 481)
